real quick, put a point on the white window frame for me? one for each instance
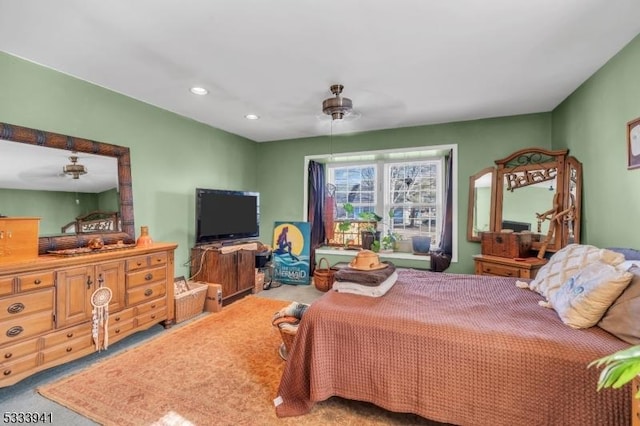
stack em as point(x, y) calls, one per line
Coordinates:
point(412, 154)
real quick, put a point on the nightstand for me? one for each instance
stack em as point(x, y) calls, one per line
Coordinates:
point(635, 403)
point(507, 267)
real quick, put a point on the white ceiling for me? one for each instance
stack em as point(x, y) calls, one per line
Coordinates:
point(403, 62)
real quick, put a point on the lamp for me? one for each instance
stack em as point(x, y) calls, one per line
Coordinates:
point(74, 168)
point(337, 107)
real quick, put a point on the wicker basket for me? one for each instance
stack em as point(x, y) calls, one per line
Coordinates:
point(287, 333)
point(323, 277)
point(190, 303)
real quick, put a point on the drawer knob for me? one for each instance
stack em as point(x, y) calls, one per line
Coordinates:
point(153, 316)
point(153, 306)
point(8, 355)
point(148, 277)
point(148, 292)
point(15, 308)
point(117, 330)
point(37, 281)
point(117, 318)
point(6, 372)
point(69, 349)
point(14, 331)
point(70, 334)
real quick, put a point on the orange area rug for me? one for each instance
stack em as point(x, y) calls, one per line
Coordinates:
point(221, 369)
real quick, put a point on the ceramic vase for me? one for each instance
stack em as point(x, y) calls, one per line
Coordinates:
point(421, 245)
point(144, 239)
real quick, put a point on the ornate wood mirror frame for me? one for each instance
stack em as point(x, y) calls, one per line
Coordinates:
point(53, 140)
point(482, 199)
point(533, 189)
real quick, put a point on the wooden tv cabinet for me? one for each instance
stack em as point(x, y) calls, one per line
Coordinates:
point(233, 269)
point(46, 311)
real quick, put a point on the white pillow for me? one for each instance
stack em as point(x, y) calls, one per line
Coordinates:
point(585, 297)
point(566, 262)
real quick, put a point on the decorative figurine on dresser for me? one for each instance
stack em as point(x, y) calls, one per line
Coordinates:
point(68, 295)
point(525, 207)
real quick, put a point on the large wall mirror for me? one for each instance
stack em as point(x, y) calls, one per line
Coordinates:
point(532, 190)
point(33, 182)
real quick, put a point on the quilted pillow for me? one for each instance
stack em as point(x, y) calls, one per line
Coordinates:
point(585, 297)
point(566, 262)
point(621, 319)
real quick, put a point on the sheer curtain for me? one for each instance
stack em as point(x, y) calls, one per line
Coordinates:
point(315, 208)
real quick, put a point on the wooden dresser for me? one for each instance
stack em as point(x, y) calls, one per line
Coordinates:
point(507, 267)
point(46, 310)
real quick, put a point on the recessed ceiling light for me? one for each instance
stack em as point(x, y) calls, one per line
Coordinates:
point(199, 91)
point(251, 117)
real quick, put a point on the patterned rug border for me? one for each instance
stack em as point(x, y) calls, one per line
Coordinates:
point(44, 389)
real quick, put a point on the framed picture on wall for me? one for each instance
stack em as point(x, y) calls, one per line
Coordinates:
point(633, 143)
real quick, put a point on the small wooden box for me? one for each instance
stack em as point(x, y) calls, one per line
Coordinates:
point(506, 244)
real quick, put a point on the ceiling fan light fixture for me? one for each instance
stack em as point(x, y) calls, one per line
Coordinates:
point(74, 169)
point(337, 107)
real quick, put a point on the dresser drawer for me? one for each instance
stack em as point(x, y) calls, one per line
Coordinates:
point(138, 262)
point(15, 329)
point(68, 348)
point(66, 335)
point(145, 293)
point(121, 316)
point(120, 329)
point(151, 306)
point(152, 317)
point(19, 365)
point(500, 270)
point(6, 286)
point(146, 276)
point(26, 304)
point(141, 262)
point(35, 281)
point(12, 351)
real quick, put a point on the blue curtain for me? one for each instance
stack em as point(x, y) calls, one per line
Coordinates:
point(441, 259)
point(315, 208)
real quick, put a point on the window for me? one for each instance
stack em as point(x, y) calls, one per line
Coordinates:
point(407, 192)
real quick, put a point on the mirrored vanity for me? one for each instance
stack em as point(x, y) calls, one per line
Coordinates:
point(68, 254)
point(532, 198)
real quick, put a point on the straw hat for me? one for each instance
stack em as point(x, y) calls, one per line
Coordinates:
point(366, 260)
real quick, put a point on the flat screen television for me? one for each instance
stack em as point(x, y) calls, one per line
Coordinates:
point(223, 215)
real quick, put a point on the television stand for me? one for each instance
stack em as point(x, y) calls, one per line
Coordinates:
point(233, 267)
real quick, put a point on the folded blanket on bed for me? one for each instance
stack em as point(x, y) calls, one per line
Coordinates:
point(370, 278)
point(366, 290)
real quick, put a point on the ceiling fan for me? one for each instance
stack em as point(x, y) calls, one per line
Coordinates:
point(337, 107)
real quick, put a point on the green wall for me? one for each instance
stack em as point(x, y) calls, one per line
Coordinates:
point(591, 123)
point(170, 155)
point(479, 143)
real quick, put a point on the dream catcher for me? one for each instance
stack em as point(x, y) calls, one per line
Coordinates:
point(100, 315)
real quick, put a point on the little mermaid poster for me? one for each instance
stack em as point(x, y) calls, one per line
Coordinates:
point(291, 252)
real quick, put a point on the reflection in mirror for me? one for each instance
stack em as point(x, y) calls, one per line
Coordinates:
point(42, 197)
point(521, 207)
point(481, 201)
point(33, 184)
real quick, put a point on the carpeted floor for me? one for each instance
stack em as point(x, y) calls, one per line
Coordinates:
point(221, 369)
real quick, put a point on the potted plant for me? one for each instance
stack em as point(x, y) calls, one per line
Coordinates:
point(388, 242)
point(619, 368)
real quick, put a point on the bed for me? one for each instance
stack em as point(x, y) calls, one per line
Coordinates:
point(460, 349)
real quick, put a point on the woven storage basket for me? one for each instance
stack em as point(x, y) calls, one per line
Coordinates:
point(287, 333)
point(323, 277)
point(190, 303)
